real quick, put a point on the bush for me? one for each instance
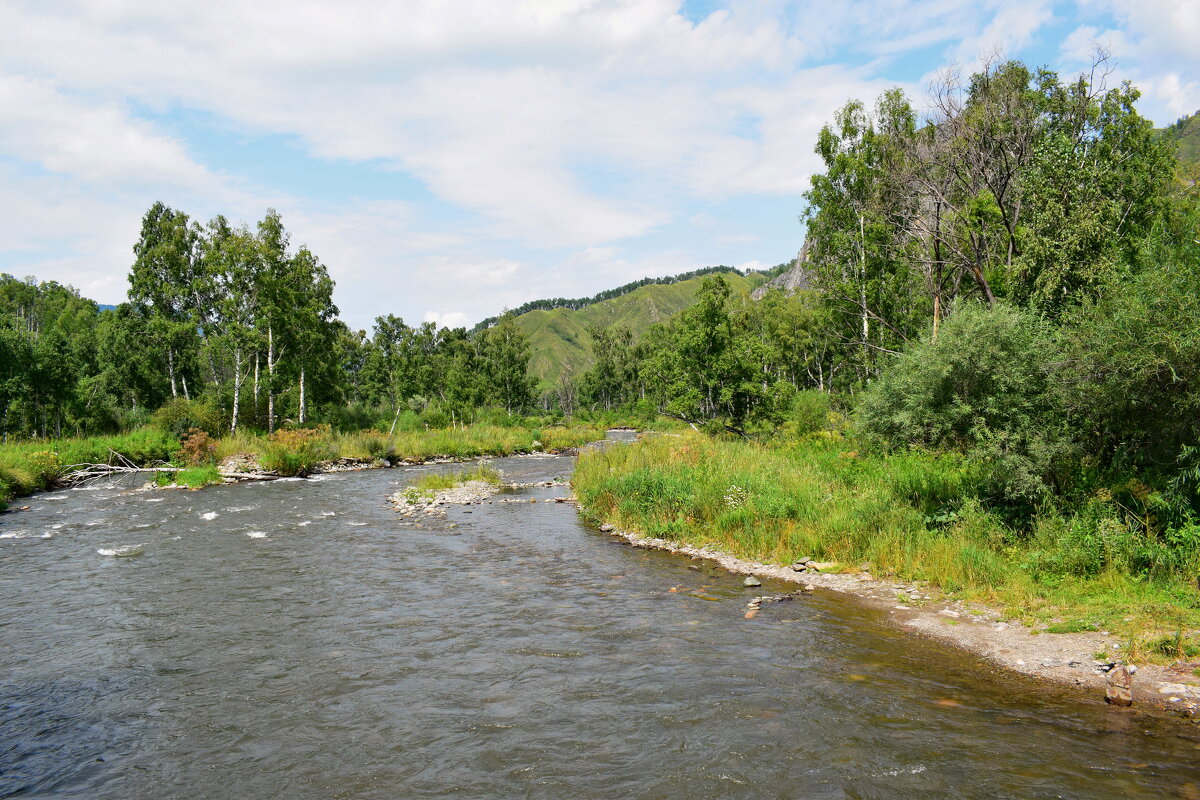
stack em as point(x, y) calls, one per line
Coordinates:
point(197, 448)
point(809, 413)
point(296, 451)
point(980, 388)
point(179, 416)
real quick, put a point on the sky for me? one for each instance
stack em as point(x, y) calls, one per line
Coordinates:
point(447, 159)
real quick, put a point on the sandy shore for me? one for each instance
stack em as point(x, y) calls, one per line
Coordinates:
point(1063, 658)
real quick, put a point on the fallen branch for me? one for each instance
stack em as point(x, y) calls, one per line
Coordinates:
point(79, 473)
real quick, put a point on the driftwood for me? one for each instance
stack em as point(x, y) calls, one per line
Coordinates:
point(80, 473)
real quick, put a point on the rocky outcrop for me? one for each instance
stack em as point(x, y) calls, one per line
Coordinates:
point(797, 278)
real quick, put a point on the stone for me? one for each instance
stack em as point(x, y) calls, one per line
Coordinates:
point(821, 566)
point(1119, 686)
point(751, 581)
point(808, 587)
point(799, 567)
point(606, 528)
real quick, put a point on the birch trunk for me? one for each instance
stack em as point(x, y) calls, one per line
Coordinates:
point(270, 379)
point(302, 395)
point(171, 370)
point(237, 387)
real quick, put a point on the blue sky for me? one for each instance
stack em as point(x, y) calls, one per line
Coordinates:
point(449, 158)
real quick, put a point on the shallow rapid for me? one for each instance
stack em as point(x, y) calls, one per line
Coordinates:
point(298, 639)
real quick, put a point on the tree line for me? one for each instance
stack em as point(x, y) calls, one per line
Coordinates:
point(1013, 276)
point(608, 294)
point(231, 326)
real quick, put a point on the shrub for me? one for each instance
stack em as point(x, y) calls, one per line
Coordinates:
point(296, 451)
point(197, 448)
point(178, 416)
point(980, 388)
point(809, 413)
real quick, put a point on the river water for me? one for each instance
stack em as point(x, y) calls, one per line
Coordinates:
point(295, 639)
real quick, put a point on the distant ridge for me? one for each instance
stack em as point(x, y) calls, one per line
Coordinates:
point(560, 339)
point(608, 294)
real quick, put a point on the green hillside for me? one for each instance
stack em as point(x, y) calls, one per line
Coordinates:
point(560, 336)
point(1187, 133)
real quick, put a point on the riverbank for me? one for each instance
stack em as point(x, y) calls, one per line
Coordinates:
point(1068, 659)
point(27, 467)
point(756, 509)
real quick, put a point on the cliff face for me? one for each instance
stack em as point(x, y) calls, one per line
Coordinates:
point(796, 279)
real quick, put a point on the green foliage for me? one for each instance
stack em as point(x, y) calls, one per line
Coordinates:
point(827, 498)
point(179, 416)
point(620, 291)
point(27, 467)
point(198, 477)
point(297, 451)
point(560, 339)
point(981, 388)
point(1184, 133)
point(810, 412)
point(438, 481)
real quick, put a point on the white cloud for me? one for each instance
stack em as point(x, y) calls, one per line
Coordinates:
point(563, 134)
point(447, 319)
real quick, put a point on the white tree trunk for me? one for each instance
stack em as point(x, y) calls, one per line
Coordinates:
point(171, 370)
point(270, 380)
point(237, 387)
point(302, 395)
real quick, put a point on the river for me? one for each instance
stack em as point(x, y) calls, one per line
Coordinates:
point(294, 639)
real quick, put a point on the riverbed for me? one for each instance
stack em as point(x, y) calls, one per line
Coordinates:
point(300, 639)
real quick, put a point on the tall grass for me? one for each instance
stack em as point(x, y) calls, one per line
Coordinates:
point(438, 481)
point(913, 515)
point(34, 465)
point(29, 466)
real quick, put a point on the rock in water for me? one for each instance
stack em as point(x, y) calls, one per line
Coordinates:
point(606, 528)
point(1119, 691)
point(751, 581)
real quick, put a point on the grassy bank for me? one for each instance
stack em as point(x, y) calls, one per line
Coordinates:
point(27, 467)
point(914, 515)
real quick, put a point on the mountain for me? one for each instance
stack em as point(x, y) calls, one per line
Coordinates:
point(559, 337)
point(1186, 131)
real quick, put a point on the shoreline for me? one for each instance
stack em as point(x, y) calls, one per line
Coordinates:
point(1064, 659)
point(342, 464)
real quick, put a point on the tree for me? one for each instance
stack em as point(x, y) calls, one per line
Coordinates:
point(504, 349)
point(161, 283)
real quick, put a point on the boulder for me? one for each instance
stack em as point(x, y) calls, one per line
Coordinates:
point(751, 581)
point(1119, 688)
